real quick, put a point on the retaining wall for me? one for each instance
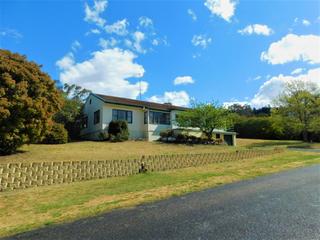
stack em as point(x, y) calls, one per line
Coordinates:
point(25, 175)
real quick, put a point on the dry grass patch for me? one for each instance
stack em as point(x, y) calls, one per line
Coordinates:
point(89, 150)
point(81, 151)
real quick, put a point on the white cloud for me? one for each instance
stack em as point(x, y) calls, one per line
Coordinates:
point(119, 27)
point(93, 31)
point(138, 37)
point(222, 8)
point(257, 78)
point(66, 62)
point(293, 48)
point(183, 80)
point(106, 72)
point(108, 43)
point(258, 29)
point(192, 14)
point(180, 98)
point(271, 89)
point(201, 40)
point(297, 71)
point(155, 42)
point(92, 14)
point(12, 33)
point(145, 21)
point(306, 22)
point(75, 46)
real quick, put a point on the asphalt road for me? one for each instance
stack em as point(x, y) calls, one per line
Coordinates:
point(280, 206)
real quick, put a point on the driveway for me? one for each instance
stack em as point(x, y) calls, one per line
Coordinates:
point(280, 206)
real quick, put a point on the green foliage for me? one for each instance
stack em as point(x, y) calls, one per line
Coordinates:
point(103, 136)
point(166, 134)
point(259, 128)
point(56, 135)
point(246, 110)
point(70, 114)
point(118, 131)
point(299, 107)
point(206, 117)
point(28, 100)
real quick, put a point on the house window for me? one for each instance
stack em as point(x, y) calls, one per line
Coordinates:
point(145, 118)
point(217, 135)
point(84, 123)
point(96, 117)
point(159, 118)
point(90, 101)
point(122, 115)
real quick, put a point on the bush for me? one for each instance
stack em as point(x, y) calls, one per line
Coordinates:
point(118, 131)
point(56, 135)
point(181, 138)
point(103, 136)
point(166, 134)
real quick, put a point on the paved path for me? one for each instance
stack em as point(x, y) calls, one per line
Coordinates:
point(280, 206)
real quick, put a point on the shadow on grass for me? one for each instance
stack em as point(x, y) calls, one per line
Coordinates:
point(14, 153)
point(306, 146)
point(274, 144)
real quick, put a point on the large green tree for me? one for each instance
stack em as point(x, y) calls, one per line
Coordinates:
point(28, 100)
point(206, 117)
point(299, 107)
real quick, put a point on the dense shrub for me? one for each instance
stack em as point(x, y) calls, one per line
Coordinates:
point(187, 139)
point(56, 135)
point(118, 131)
point(166, 134)
point(181, 138)
point(103, 136)
point(262, 128)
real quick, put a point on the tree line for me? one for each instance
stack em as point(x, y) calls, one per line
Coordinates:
point(295, 115)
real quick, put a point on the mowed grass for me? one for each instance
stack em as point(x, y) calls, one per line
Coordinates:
point(89, 150)
point(28, 209)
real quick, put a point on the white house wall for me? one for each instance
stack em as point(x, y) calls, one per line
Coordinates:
point(137, 129)
point(92, 131)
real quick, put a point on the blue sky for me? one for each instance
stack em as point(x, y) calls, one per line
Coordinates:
point(171, 51)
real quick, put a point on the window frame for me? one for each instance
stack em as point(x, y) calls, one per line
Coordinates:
point(156, 118)
point(96, 117)
point(128, 115)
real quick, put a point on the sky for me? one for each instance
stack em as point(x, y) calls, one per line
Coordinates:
point(169, 51)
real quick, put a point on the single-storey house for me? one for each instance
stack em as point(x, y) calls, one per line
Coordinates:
point(145, 119)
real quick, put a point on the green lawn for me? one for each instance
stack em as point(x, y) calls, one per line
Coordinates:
point(86, 150)
point(27, 209)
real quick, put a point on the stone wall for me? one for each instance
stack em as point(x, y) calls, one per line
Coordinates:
point(25, 175)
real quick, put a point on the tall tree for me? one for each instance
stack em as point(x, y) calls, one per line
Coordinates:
point(299, 106)
point(206, 117)
point(71, 112)
point(28, 99)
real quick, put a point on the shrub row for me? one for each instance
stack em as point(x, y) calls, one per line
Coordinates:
point(171, 136)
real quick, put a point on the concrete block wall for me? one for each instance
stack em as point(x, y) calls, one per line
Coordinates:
point(24, 175)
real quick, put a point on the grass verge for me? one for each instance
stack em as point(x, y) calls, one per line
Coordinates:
point(28, 209)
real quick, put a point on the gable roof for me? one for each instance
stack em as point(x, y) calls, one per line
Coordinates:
point(138, 103)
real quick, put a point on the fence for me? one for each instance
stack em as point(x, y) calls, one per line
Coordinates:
point(25, 175)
